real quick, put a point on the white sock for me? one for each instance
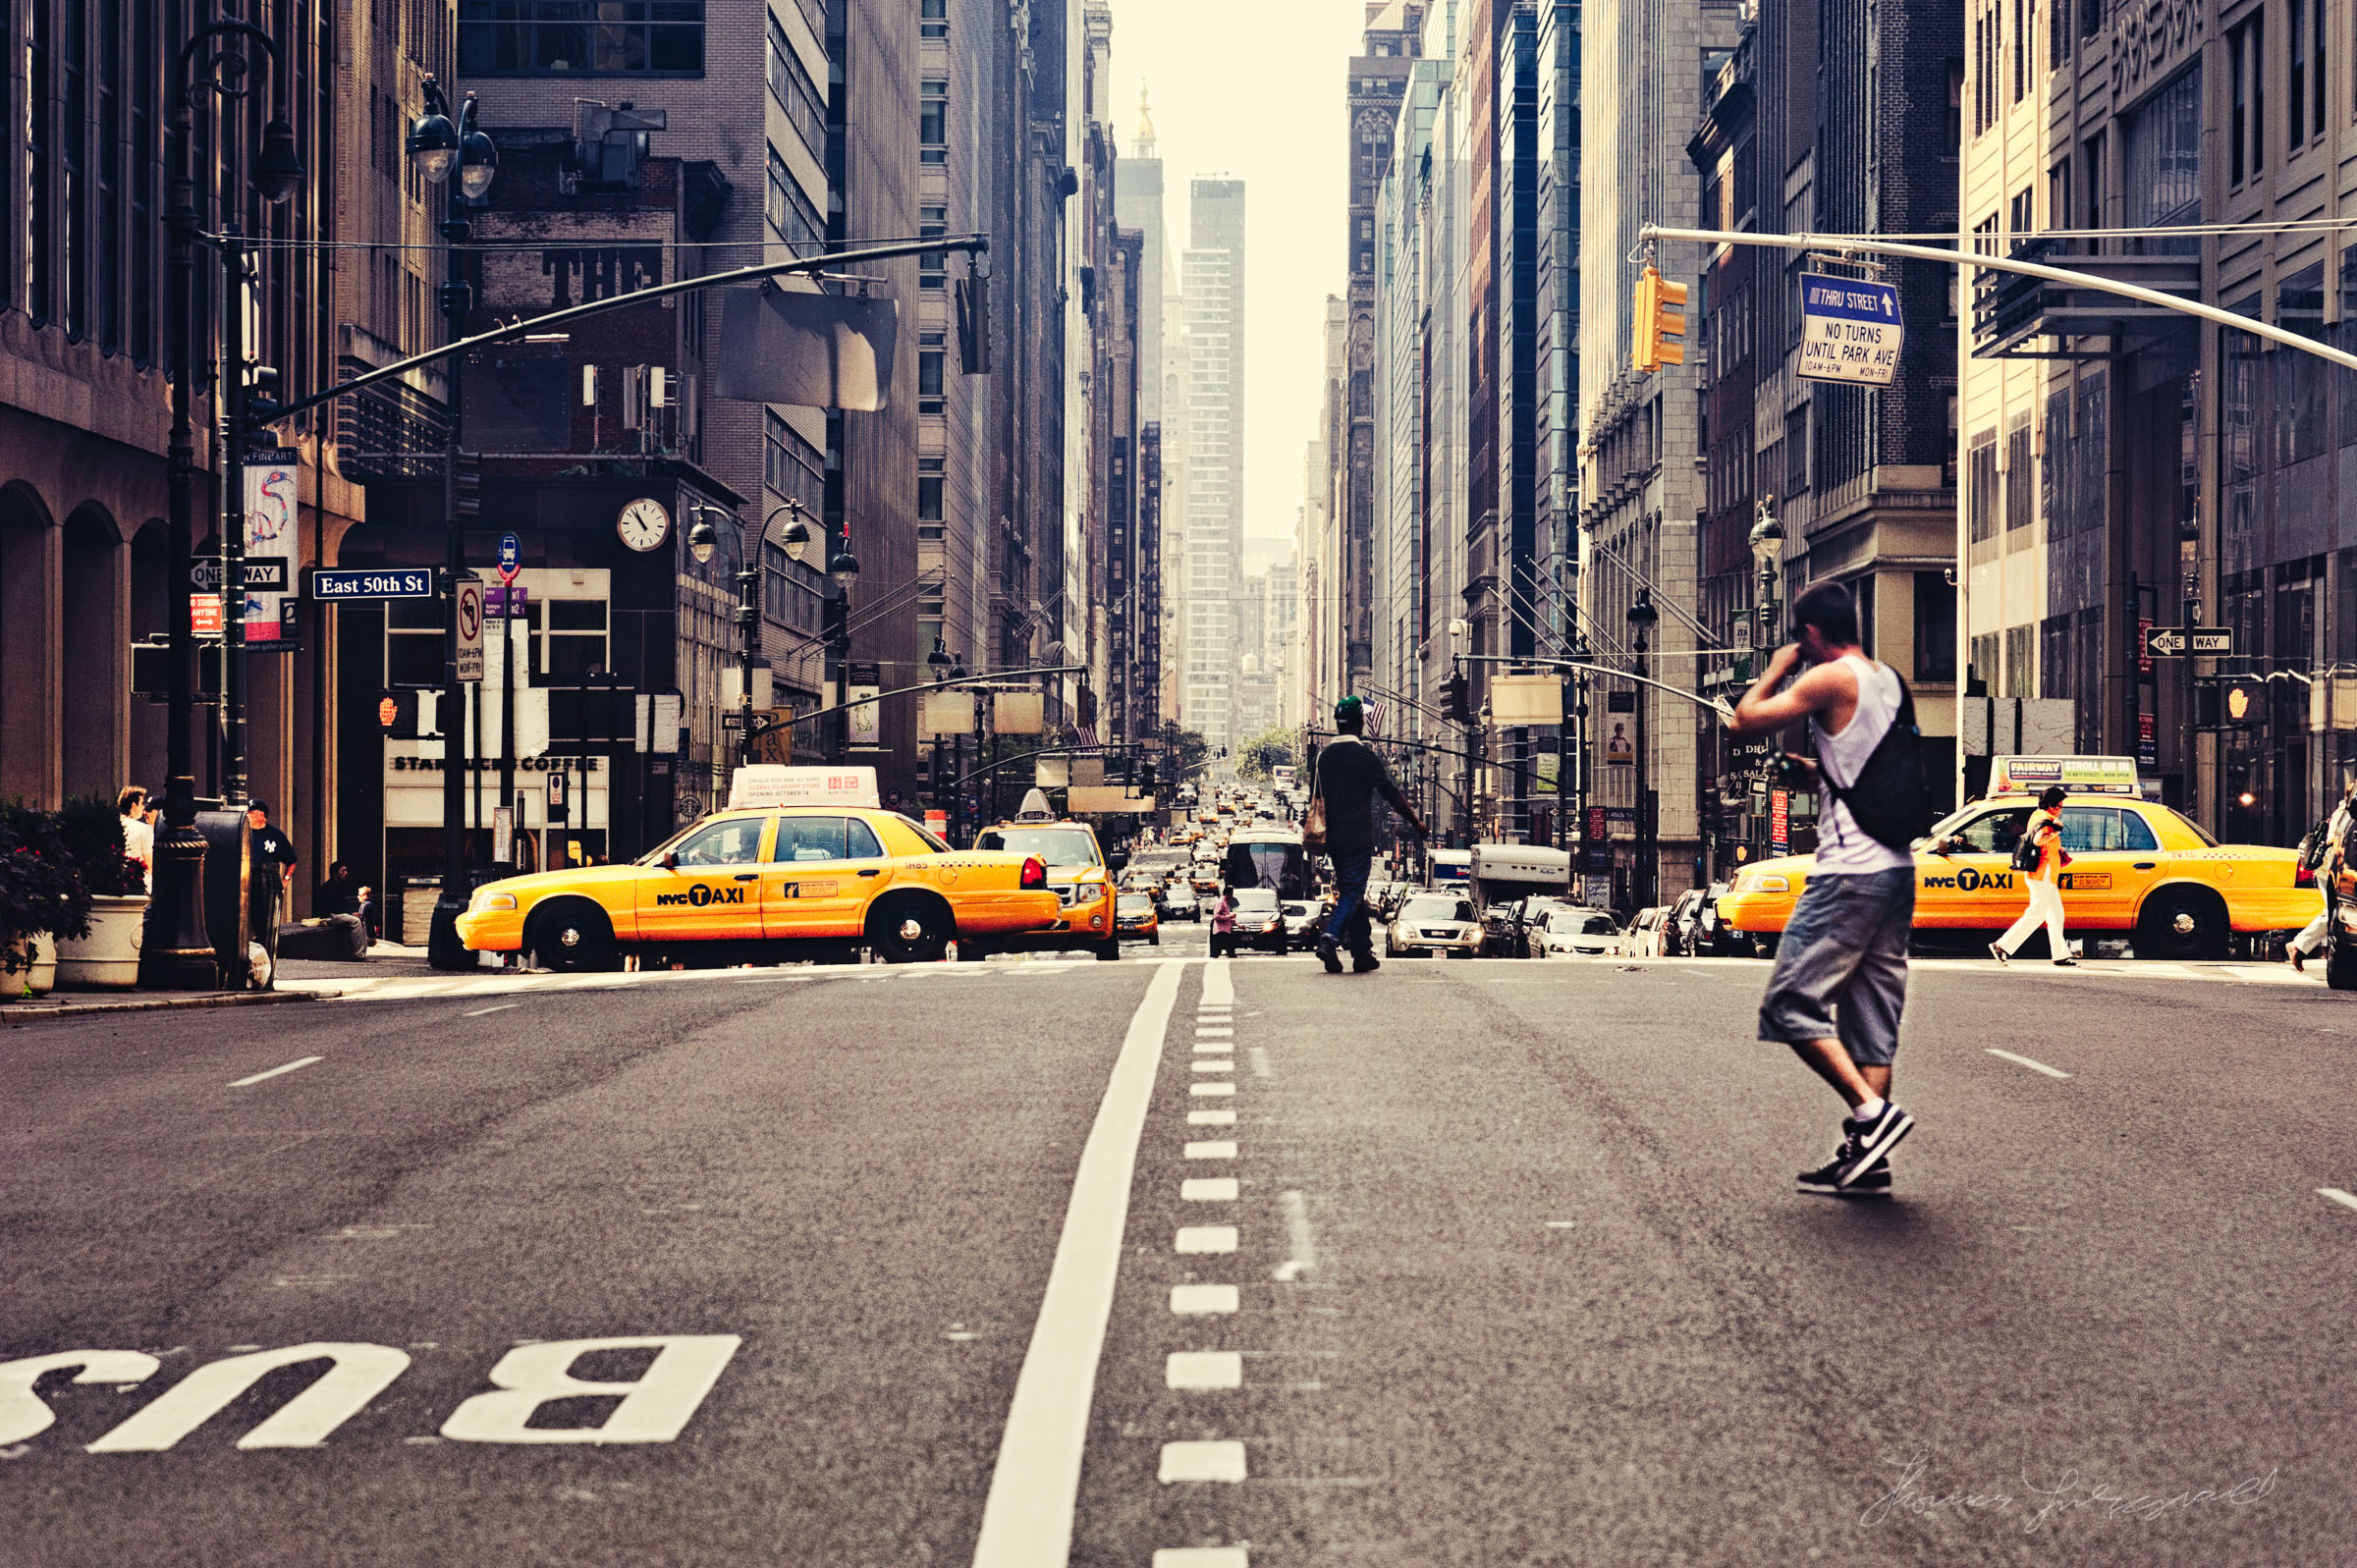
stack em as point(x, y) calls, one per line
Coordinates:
point(1869, 1110)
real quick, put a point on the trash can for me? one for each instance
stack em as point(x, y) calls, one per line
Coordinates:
point(417, 895)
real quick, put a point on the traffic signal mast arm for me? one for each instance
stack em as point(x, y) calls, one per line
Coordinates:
point(2034, 269)
point(1716, 705)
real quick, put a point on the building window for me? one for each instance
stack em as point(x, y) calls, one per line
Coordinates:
point(791, 84)
point(929, 481)
point(933, 19)
point(40, 292)
point(2021, 671)
point(932, 266)
point(933, 122)
point(625, 37)
point(2021, 49)
point(1981, 480)
point(929, 360)
point(792, 467)
point(1935, 629)
point(2021, 474)
point(791, 213)
point(2246, 118)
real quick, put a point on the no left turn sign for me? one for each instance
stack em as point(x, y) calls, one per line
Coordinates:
point(471, 630)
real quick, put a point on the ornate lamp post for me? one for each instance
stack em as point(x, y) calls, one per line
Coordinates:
point(438, 146)
point(177, 951)
point(1642, 617)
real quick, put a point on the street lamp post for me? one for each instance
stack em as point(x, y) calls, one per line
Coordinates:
point(843, 570)
point(1767, 554)
point(1641, 619)
point(175, 950)
point(438, 146)
point(702, 542)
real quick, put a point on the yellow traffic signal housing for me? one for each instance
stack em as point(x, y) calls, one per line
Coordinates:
point(1660, 324)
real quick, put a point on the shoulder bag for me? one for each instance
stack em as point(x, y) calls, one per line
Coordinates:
point(1890, 799)
point(1313, 820)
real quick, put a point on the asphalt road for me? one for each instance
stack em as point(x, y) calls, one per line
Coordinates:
point(1483, 1264)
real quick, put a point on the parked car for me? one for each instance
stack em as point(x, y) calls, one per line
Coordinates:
point(1531, 919)
point(1713, 937)
point(1564, 931)
point(1434, 923)
point(1678, 926)
point(1642, 939)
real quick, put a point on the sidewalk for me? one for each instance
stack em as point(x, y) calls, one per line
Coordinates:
point(297, 980)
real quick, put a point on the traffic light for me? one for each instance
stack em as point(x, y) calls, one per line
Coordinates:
point(409, 715)
point(1456, 703)
point(1145, 778)
point(1659, 328)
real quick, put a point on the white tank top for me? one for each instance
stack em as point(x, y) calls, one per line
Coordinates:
point(1842, 846)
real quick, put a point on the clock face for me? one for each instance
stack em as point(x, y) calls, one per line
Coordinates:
point(644, 523)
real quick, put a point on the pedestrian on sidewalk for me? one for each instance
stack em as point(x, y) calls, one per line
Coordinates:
point(2040, 858)
point(1346, 778)
point(2326, 866)
point(1840, 979)
point(139, 838)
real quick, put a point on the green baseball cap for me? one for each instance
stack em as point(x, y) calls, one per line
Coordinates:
point(1347, 708)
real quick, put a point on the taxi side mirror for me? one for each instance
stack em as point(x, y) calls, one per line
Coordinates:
point(671, 862)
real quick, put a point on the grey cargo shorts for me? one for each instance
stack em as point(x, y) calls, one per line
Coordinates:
point(1841, 968)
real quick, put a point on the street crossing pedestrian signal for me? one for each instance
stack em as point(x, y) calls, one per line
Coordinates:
point(409, 715)
point(1660, 323)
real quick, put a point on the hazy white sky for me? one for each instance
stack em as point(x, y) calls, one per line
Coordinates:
point(1254, 89)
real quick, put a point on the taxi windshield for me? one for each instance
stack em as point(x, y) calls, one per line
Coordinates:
point(1058, 847)
point(1135, 904)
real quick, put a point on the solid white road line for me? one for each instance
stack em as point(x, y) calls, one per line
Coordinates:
point(2338, 1196)
point(1219, 987)
point(1211, 1149)
point(1211, 1119)
point(1202, 1301)
point(1193, 1240)
point(1208, 1189)
point(1027, 1519)
point(299, 1061)
point(2024, 1061)
point(1202, 1461)
point(502, 1008)
point(1203, 1369)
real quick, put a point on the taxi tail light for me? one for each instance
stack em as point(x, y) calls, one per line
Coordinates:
point(2303, 876)
point(1035, 874)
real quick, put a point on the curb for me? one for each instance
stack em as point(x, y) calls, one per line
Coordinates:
point(14, 1015)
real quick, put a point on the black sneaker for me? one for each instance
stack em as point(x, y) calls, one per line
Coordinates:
point(2000, 954)
point(1874, 1182)
point(1364, 964)
point(1870, 1141)
point(1329, 953)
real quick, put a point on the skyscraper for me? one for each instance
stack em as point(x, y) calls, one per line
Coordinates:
point(1214, 272)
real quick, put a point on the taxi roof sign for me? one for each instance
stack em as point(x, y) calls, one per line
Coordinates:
point(772, 784)
point(2080, 775)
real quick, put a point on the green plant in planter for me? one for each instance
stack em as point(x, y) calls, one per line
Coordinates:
point(91, 830)
point(41, 889)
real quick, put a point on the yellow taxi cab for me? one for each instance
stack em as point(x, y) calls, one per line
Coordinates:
point(803, 863)
point(2136, 867)
point(1078, 870)
point(1135, 916)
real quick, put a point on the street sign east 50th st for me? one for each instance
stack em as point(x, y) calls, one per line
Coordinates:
point(1849, 330)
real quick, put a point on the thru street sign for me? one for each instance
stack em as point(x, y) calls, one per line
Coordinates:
point(2168, 642)
point(1849, 330)
point(471, 630)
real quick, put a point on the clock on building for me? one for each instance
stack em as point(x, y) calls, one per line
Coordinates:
point(644, 523)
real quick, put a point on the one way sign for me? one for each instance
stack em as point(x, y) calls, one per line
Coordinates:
point(2168, 642)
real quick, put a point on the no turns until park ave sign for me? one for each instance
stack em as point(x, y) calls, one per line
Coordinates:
point(1849, 330)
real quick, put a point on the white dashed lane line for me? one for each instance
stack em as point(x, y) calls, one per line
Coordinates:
point(1203, 1301)
point(2024, 1061)
point(502, 1008)
point(1200, 1370)
point(2346, 1199)
point(1195, 1239)
point(299, 1061)
point(1202, 1461)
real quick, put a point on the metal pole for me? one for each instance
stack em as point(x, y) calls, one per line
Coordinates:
point(1645, 848)
point(230, 387)
point(748, 626)
point(444, 948)
point(506, 722)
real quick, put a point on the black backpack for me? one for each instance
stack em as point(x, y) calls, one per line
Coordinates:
point(1890, 800)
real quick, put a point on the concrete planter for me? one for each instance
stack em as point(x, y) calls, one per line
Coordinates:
point(40, 979)
point(108, 959)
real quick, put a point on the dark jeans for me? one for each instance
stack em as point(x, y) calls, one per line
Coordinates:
point(1348, 925)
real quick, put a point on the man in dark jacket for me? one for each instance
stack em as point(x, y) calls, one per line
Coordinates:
point(1349, 774)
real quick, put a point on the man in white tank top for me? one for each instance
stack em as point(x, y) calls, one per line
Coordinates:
point(1840, 978)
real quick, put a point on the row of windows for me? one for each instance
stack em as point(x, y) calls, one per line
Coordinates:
point(791, 84)
point(651, 37)
point(791, 213)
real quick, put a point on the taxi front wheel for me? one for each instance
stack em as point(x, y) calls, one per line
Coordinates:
point(572, 937)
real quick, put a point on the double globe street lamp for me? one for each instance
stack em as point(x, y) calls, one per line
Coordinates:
point(843, 570)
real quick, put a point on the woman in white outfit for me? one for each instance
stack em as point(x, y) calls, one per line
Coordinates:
point(2045, 884)
point(2312, 935)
